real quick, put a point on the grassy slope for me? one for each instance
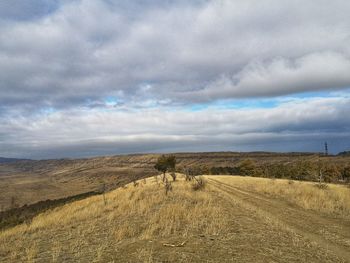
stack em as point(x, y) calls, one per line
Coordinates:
point(218, 225)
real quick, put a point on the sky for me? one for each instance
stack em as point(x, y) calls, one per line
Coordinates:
point(84, 78)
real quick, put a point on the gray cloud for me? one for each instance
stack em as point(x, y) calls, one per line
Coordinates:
point(312, 72)
point(293, 125)
point(203, 51)
point(93, 77)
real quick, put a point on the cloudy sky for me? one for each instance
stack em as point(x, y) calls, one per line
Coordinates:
point(94, 77)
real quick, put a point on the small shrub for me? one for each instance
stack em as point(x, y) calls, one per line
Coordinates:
point(322, 186)
point(167, 186)
point(156, 178)
point(188, 177)
point(173, 175)
point(198, 184)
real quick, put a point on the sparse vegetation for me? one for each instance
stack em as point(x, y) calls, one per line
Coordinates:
point(141, 224)
point(168, 186)
point(198, 183)
point(135, 183)
point(173, 176)
point(322, 186)
point(123, 217)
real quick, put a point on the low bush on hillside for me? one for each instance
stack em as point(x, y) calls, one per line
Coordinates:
point(322, 186)
point(167, 186)
point(198, 183)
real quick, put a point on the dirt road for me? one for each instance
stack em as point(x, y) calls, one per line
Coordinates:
point(331, 234)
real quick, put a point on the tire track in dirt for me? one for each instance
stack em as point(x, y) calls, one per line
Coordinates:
point(307, 224)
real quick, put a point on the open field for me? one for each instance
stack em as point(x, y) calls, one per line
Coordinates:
point(233, 219)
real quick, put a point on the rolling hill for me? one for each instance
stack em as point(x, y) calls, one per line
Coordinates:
point(233, 219)
point(30, 181)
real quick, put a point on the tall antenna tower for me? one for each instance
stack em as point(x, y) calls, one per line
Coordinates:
point(325, 149)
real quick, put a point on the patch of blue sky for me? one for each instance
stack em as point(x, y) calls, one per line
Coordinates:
point(345, 93)
point(199, 107)
point(111, 100)
point(265, 103)
point(235, 104)
point(248, 103)
point(47, 110)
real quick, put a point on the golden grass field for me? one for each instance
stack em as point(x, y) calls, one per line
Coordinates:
point(233, 219)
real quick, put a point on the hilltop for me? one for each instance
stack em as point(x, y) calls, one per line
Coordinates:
point(232, 219)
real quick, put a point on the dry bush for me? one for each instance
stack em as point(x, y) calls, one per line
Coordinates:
point(167, 186)
point(188, 177)
point(198, 183)
point(173, 175)
point(322, 186)
point(155, 178)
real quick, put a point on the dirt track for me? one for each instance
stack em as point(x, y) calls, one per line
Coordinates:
point(331, 234)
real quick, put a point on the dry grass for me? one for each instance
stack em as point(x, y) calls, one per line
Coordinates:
point(136, 221)
point(142, 213)
point(332, 200)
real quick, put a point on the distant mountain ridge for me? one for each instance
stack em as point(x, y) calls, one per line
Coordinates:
point(11, 160)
